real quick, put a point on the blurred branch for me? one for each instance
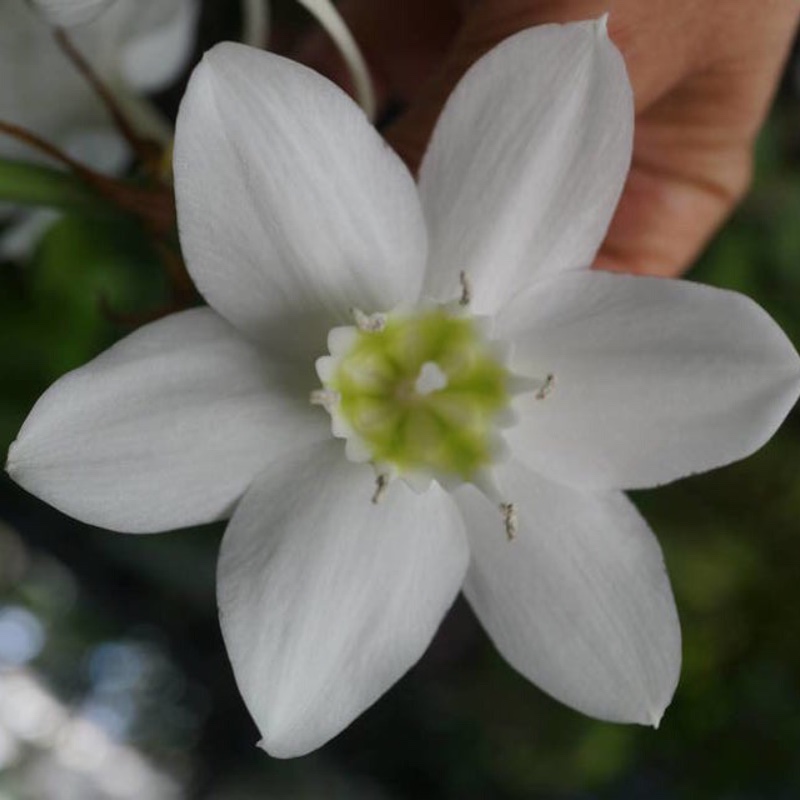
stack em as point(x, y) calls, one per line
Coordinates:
point(154, 205)
point(35, 142)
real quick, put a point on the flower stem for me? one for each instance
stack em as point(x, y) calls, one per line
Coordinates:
point(36, 142)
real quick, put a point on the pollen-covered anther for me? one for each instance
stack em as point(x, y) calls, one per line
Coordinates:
point(466, 289)
point(546, 389)
point(381, 484)
point(368, 323)
point(510, 522)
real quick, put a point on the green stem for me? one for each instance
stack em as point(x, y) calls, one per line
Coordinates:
point(23, 183)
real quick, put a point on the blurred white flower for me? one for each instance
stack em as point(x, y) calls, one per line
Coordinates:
point(70, 12)
point(135, 46)
point(491, 380)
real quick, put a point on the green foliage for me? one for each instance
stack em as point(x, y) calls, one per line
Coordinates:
point(57, 311)
point(28, 184)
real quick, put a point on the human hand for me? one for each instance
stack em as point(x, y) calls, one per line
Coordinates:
point(703, 75)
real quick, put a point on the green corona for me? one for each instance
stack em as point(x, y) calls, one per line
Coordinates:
point(422, 393)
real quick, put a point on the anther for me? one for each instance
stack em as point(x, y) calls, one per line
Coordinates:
point(327, 398)
point(369, 323)
point(509, 512)
point(547, 387)
point(381, 482)
point(466, 289)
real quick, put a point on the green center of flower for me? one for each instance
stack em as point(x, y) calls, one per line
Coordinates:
point(419, 393)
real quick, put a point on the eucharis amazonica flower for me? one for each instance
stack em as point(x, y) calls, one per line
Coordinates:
point(401, 390)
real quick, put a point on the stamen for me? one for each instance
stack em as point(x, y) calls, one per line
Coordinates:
point(369, 323)
point(509, 512)
point(466, 289)
point(381, 483)
point(547, 387)
point(417, 392)
point(327, 398)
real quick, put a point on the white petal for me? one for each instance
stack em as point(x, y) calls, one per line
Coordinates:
point(291, 208)
point(157, 40)
point(165, 429)
point(579, 602)
point(70, 12)
point(654, 379)
point(102, 148)
point(527, 162)
point(326, 599)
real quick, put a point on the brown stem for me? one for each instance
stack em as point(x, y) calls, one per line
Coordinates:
point(183, 289)
point(43, 146)
point(141, 146)
point(134, 320)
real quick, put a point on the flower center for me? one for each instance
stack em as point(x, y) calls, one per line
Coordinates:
point(416, 394)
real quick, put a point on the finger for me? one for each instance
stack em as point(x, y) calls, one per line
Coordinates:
point(693, 150)
point(664, 219)
point(691, 165)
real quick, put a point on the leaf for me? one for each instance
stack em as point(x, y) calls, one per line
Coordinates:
point(23, 183)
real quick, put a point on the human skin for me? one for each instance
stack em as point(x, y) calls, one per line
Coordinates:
point(703, 74)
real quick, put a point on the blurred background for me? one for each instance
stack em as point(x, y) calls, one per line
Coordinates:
point(114, 682)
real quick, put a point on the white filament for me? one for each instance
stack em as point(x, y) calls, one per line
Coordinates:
point(330, 19)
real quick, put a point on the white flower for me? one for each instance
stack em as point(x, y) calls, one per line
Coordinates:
point(135, 46)
point(292, 212)
point(71, 12)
